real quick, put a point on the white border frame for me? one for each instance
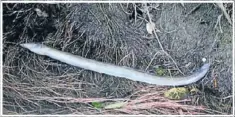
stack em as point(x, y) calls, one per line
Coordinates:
point(1, 63)
point(124, 1)
point(179, 1)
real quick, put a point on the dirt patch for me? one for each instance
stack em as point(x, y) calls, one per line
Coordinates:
point(114, 33)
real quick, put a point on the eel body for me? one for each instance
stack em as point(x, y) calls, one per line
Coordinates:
point(113, 70)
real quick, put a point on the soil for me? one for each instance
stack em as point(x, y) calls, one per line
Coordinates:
point(112, 33)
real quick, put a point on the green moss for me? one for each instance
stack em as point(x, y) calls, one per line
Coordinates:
point(160, 71)
point(176, 93)
point(97, 104)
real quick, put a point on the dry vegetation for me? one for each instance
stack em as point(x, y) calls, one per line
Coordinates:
point(115, 33)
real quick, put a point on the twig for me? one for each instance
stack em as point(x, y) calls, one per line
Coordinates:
point(218, 23)
point(151, 61)
point(221, 6)
point(193, 10)
point(156, 36)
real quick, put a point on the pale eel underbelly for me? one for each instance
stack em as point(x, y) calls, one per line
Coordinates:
point(113, 70)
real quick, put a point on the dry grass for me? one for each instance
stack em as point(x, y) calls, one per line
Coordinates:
point(34, 84)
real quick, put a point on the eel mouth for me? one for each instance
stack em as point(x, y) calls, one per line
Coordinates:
point(34, 47)
point(30, 45)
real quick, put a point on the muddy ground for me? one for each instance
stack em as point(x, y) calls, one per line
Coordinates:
point(113, 33)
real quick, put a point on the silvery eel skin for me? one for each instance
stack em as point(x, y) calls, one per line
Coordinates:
point(113, 70)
